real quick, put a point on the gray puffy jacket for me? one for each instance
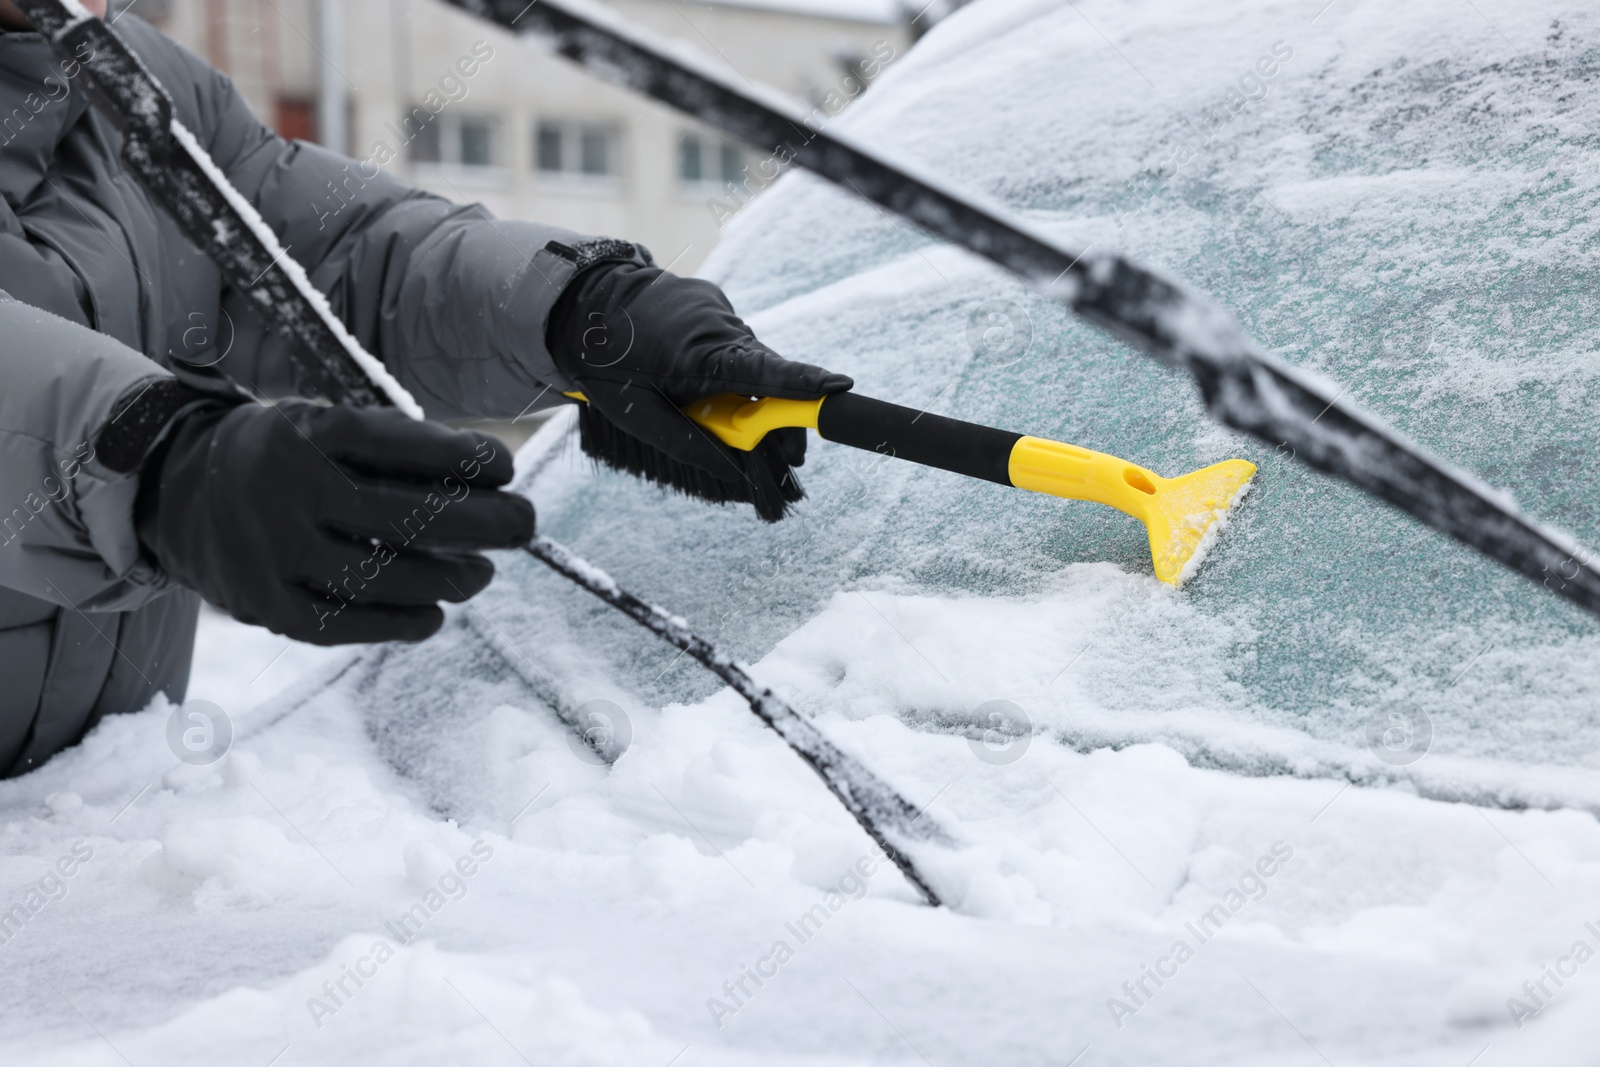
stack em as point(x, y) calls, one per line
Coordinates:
point(102, 298)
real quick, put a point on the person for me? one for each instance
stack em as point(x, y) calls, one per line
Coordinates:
point(152, 451)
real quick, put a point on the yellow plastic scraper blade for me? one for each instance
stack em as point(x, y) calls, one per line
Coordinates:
point(1182, 515)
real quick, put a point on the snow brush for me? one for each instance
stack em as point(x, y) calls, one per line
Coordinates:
point(181, 176)
point(1181, 515)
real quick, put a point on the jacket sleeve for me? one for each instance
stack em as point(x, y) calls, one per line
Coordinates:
point(452, 300)
point(66, 516)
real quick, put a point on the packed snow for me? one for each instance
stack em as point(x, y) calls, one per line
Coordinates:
point(1333, 802)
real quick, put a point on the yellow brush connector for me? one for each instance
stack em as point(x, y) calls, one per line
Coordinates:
point(1182, 515)
point(741, 422)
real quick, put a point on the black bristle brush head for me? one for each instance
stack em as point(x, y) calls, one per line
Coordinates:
point(763, 480)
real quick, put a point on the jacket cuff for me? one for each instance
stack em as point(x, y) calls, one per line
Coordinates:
point(556, 322)
point(142, 418)
point(585, 254)
point(567, 262)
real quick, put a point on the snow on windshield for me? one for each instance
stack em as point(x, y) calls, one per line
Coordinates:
point(1401, 209)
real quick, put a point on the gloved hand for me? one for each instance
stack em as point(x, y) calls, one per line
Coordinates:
point(331, 525)
point(641, 343)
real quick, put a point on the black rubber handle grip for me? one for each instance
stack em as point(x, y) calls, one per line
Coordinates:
point(932, 440)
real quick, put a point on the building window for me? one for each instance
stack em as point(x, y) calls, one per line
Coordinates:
point(578, 149)
point(549, 150)
point(470, 141)
point(424, 146)
point(594, 151)
point(707, 160)
point(477, 143)
point(731, 159)
point(691, 166)
point(296, 119)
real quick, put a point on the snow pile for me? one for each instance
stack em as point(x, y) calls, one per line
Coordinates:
point(1217, 826)
point(301, 895)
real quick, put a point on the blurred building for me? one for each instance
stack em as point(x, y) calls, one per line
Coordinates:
point(466, 110)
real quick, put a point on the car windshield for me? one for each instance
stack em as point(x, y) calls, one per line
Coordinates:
point(1406, 220)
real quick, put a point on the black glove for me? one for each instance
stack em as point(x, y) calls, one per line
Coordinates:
point(330, 525)
point(641, 343)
